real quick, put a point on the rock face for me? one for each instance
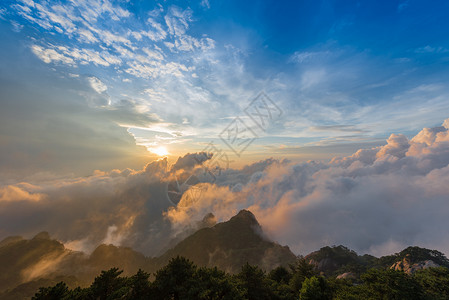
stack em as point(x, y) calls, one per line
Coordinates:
point(410, 268)
point(347, 275)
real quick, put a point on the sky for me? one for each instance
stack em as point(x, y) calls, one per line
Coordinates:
point(339, 105)
point(89, 85)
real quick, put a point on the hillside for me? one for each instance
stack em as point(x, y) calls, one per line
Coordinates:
point(230, 245)
point(339, 260)
point(26, 265)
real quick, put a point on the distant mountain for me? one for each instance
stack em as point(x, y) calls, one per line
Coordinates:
point(21, 260)
point(230, 245)
point(412, 259)
point(339, 260)
point(25, 264)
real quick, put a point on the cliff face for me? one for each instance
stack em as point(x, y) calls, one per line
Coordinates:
point(408, 267)
point(342, 262)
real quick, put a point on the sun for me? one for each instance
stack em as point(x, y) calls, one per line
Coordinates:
point(161, 151)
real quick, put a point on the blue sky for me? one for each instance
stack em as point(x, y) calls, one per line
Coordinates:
point(85, 84)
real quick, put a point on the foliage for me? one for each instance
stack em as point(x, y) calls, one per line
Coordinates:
point(435, 282)
point(416, 254)
point(315, 288)
point(181, 279)
point(300, 271)
point(390, 284)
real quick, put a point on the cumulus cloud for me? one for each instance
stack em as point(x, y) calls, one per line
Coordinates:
point(120, 207)
point(375, 201)
point(16, 193)
point(189, 161)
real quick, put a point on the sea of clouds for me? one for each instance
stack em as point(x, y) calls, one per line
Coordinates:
point(375, 201)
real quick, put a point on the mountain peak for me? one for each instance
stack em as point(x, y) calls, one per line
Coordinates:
point(245, 216)
point(44, 235)
point(230, 245)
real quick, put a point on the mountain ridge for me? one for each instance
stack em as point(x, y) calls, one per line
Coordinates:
point(28, 264)
point(228, 245)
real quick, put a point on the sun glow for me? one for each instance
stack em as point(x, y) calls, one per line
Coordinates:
point(161, 151)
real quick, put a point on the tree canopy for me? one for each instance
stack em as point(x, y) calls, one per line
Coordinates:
point(181, 279)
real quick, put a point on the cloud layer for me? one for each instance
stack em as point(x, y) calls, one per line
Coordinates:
point(377, 200)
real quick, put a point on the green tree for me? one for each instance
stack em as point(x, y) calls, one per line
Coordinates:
point(315, 288)
point(139, 286)
point(79, 294)
point(280, 275)
point(108, 285)
point(214, 284)
point(254, 283)
point(434, 282)
point(390, 284)
point(176, 280)
point(280, 278)
point(300, 270)
point(57, 292)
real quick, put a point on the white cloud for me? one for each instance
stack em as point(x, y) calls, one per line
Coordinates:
point(102, 46)
point(16, 26)
point(51, 55)
point(157, 34)
point(205, 4)
point(119, 207)
point(17, 193)
point(87, 36)
point(152, 54)
point(97, 85)
point(301, 57)
point(373, 201)
point(178, 21)
point(71, 55)
point(156, 69)
point(2, 13)
point(429, 49)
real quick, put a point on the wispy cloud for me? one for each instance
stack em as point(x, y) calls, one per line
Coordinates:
point(430, 49)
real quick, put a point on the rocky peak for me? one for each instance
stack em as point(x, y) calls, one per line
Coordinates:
point(42, 236)
point(410, 268)
point(245, 217)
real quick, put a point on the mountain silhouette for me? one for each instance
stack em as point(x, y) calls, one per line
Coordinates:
point(26, 265)
point(230, 245)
